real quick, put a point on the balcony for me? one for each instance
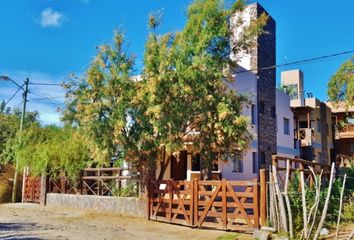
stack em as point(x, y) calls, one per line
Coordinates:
point(347, 131)
point(306, 136)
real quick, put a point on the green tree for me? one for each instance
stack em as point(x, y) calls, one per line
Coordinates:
point(186, 81)
point(184, 87)
point(341, 84)
point(98, 102)
point(51, 150)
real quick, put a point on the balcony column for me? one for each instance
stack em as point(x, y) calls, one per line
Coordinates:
point(308, 120)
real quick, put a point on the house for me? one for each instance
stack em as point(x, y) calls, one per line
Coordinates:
point(270, 115)
point(312, 119)
point(343, 127)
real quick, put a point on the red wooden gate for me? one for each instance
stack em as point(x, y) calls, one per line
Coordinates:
point(229, 205)
point(32, 189)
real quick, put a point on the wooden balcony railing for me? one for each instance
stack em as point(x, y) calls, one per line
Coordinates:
point(306, 136)
point(348, 128)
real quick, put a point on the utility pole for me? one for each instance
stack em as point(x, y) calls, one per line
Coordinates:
point(24, 98)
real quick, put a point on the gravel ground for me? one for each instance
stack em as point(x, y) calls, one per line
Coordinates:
point(32, 221)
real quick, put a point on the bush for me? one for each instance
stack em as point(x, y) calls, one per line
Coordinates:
point(333, 208)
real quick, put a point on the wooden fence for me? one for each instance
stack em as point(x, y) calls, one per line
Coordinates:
point(32, 189)
point(93, 181)
point(299, 165)
point(228, 205)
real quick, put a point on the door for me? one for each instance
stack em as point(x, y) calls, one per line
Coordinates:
point(179, 166)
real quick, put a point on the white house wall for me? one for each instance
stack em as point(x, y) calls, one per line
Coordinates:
point(285, 143)
point(245, 83)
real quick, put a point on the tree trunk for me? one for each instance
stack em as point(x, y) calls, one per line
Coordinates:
point(206, 165)
point(163, 163)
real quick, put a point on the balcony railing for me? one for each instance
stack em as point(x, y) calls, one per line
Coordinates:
point(345, 132)
point(348, 128)
point(306, 136)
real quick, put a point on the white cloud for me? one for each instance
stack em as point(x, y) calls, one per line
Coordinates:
point(51, 18)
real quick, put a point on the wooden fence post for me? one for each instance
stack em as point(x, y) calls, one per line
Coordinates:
point(98, 182)
point(224, 203)
point(255, 203)
point(263, 196)
point(43, 189)
point(170, 202)
point(148, 196)
point(195, 196)
point(24, 181)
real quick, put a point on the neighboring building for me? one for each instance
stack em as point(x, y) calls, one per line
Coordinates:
point(343, 127)
point(267, 107)
point(312, 119)
point(287, 144)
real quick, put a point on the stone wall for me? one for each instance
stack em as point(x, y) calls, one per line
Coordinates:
point(128, 206)
point(263, 56)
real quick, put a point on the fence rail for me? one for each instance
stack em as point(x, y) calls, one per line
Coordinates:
point(228, 205)
point(95, 181)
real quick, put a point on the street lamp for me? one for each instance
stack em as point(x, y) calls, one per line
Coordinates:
point(24, 98)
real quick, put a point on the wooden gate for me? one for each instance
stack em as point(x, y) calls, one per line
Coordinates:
point(228, 205)
point(32, 189)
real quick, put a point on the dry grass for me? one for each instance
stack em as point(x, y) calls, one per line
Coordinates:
point(6, 181)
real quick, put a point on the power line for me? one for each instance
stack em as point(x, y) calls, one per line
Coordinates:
point(44, 98)
point(297, 62)
point(12, 96)
point(47, 84)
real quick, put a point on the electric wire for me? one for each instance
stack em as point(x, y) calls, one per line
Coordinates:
point(297, 62)
point(12, 96)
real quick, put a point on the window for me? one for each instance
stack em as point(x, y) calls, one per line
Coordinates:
point(273, 113)
point(254, 162)
point(196, 162)
point(253, 114)
point(261, 107)
point(237, 163)
point(319, 127)
point(286, 126)
point(351, 148)
point(263, 158)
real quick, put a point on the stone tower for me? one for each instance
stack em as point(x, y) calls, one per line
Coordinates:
point(261, 61)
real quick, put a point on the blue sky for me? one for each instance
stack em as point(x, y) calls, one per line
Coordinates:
point(46, 40)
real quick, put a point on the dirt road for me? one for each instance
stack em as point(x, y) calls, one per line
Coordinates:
point(31, 221)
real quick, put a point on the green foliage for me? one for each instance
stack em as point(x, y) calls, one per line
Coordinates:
point(9, 126)
point(341, 84)
point(333, 208)
point(348, 212)
point(130, 190)
point(184, 86)
point(51, 149)
point(99, 103)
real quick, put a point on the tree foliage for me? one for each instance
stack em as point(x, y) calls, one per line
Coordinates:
point(184, 88)
point(98, 104)
point(9, 126)
point(341, 84)
point(50, 149)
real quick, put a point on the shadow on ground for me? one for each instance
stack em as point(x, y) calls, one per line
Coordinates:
point(16, 231)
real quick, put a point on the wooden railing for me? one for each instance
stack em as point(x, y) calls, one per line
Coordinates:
point(228, 205)
point(347, 128)
point(299, 165)
point(306, 136)
point(95, 181)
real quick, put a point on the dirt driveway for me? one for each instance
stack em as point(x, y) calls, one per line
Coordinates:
point(31, 221)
